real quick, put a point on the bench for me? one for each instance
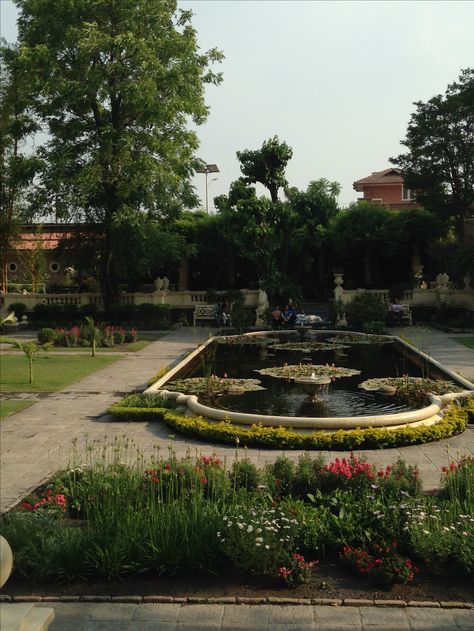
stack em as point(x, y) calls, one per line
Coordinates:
point(204, 313)
point(406, 314)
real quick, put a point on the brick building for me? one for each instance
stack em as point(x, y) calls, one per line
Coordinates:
point(386, 187)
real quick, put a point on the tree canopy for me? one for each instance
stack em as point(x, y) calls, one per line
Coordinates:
point(266, 165)
point(117, 84)
point(439, 162)
point(17, 168)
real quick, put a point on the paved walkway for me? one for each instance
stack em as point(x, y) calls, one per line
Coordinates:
point(38, 440)
point(442, 347)
point(171, 617)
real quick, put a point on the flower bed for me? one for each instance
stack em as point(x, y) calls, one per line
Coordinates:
point(174, 516)
point(105, 336)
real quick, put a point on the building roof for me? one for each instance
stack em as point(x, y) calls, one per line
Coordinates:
point(387, 176)
point(49, 235)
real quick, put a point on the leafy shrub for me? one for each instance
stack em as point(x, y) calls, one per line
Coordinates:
point(145, 401)
point(364, 309)
point(258, 539)
point(89, 309)
point(119, 336)
point(442, 534)
point(67, 337)
point(383, 563)
point(453, 422)
point(46, 335)
point(297, 570)
point(244, 475)
point(458, 482)
point(280, 476)
point(55, 314)
point(19, 308)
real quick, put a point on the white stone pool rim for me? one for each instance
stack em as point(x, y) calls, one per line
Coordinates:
point(428, 415)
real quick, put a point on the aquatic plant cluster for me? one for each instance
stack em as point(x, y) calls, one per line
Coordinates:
point(414, 390)
point(213, 386)
point(306, 370)
point(119, 515)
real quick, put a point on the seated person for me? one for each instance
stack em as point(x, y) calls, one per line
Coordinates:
point(218, 314)
point(289, 316)
point(396, 310)
point(226, 309)
point(276, 316)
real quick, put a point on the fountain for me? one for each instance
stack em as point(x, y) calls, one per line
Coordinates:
point(278, 403)
point(316, 386)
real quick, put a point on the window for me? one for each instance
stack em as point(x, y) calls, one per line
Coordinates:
point(408, 194)
point(54, 267)
point(12, 267)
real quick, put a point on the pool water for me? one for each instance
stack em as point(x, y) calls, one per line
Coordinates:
point(285, 398)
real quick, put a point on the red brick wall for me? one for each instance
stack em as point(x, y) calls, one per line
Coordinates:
point(389, 193)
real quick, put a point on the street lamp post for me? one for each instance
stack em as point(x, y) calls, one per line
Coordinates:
point(206, 169)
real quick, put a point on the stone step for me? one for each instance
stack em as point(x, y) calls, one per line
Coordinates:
point(24, 617)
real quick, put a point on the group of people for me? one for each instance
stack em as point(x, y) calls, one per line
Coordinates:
point(283, 319)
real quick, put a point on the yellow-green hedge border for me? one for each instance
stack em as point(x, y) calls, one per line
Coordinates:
point(454, 422)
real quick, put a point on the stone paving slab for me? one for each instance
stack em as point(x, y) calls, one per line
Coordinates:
point(171, 617)
point(37, 441)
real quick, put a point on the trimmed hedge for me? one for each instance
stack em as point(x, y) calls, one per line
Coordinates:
point(454, 422)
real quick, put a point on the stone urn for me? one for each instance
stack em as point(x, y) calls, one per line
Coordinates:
point(166, 283)
point(158, 284)
point(6, 561)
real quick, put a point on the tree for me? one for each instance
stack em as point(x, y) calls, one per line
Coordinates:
point(17, 169)
point(439, 163)
point(117, 84)
point(266, 165)
point(30, 349)
point(313, 210)
point(364, 231)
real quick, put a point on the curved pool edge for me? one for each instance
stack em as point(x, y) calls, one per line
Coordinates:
point(424, 416)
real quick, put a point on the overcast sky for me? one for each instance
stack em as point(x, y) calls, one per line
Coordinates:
point(335, 80)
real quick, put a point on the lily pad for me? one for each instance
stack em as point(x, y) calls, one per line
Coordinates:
point(306, 370)
point(214, 386)
point(307, 347)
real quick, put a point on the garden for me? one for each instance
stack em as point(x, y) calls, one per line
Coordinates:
point(119, 524)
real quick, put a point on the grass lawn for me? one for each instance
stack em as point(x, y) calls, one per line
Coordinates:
point(132, 347)
point(466, 341)
point(49, 372)
point(9, 406)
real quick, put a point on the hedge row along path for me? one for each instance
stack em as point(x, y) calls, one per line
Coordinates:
point(37, 441)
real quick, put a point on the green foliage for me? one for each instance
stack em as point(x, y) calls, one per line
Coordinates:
point(453, 422)
point(17, 167)
point(244, 475)
point(366, 311)
point(30, 350)
point(174, 516)
point(54, 315)
point(266, 165)
point(145, 401)
point(439, 161)
point(46, 335)
point(118, 117)
point(19, 308)
point(258, 539)
point(461, 263)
